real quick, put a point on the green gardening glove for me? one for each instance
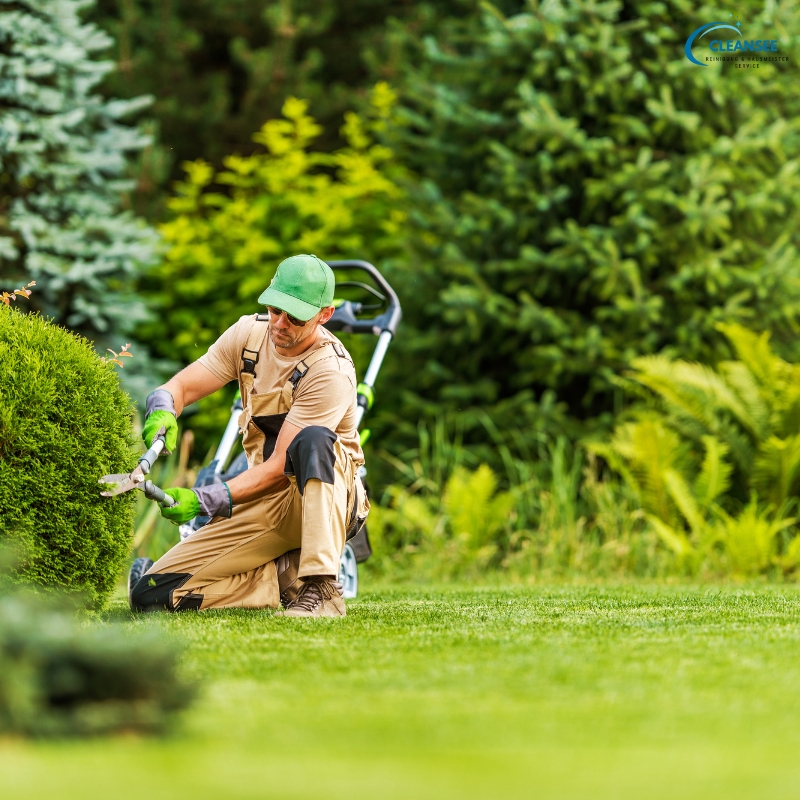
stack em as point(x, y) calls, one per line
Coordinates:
point(213, 500)
point(157, 420)
point(160, 412)
point(187, 506)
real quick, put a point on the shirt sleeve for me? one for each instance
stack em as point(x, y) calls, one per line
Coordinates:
point(322, 399)
point(224, 356)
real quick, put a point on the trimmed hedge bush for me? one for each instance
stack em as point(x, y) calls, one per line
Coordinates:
point(64, 423)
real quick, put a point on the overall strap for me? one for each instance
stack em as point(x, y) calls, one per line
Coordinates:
point(250, 353)
point(327, 350)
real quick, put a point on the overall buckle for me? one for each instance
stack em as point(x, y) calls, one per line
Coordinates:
point(297, 374)
point(249, 363)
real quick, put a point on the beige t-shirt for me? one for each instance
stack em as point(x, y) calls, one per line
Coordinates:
point(325, 396)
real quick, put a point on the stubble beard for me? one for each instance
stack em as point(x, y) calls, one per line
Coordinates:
point(286, 341)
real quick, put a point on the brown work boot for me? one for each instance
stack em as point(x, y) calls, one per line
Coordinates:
point(318, 597)
point(289, 584)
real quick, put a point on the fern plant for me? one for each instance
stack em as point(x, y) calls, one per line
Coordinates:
point(453, 534)
point(476, 513)
point(715, 457)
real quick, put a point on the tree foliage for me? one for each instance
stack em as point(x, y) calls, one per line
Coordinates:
point(218, 71)
point(230, 228)
point(63, 155)
point(64, 423)
point(587, 196)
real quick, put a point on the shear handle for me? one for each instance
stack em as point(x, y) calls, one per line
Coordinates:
point(152, 492)
point(149, 458)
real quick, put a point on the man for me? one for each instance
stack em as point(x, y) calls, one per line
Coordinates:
point(301, 488)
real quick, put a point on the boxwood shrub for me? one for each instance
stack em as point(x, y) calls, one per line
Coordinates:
point(64, 423)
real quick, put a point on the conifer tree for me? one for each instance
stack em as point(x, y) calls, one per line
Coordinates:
point(588, 195)
point(63, 154)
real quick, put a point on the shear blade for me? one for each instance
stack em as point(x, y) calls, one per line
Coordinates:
point(117, 484)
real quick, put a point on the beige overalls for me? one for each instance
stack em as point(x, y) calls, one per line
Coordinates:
point(230, 563)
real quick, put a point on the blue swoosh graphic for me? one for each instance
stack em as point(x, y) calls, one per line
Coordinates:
point(729, 27)
point(703, 29)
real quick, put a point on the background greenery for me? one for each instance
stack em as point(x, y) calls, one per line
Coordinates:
point(64, 153)
point(575, 218)
point(217, 71)
point(586, 195)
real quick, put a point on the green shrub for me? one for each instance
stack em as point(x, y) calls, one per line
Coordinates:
point(58, 678)
point(64, 423)
point(455, 534)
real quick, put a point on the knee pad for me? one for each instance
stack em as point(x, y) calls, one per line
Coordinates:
point(154, 592)
point(311, 455)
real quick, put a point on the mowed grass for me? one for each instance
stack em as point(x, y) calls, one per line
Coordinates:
point(562, 692)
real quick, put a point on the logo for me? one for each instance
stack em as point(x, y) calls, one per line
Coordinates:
point(720, 48)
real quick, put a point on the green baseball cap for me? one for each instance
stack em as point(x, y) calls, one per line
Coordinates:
point(301, 287)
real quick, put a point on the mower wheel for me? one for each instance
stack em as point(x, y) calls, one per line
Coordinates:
point(138, 568)
point(348, 572)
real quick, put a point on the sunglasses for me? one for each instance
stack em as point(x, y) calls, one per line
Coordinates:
point(276, 312)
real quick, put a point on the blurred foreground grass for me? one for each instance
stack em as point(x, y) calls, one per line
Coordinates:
point(562, 692)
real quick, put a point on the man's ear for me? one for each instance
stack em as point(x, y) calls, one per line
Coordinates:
point(325, 314)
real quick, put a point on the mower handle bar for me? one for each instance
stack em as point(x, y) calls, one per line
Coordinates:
point(344, 318)
point(229, 438)
point(383, 326)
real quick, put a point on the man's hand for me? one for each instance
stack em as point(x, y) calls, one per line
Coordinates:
point(186, 507)
point(211, 501)
point(160, 412)
point(156, 421)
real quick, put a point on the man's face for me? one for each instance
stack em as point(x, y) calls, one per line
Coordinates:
point(287, 334)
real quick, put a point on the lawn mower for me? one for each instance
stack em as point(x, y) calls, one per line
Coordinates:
point(361, 308)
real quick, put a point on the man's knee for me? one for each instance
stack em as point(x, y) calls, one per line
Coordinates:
point(310, 455)
point(154, 592)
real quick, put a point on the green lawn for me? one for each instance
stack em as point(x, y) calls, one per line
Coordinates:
point(563, 692)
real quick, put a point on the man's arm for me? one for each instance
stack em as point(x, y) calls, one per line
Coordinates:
point(192, 384)
point(268, 477)
point(167, 402)
point(218, 499)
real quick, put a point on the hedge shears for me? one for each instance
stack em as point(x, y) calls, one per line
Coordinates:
point(122, 482)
